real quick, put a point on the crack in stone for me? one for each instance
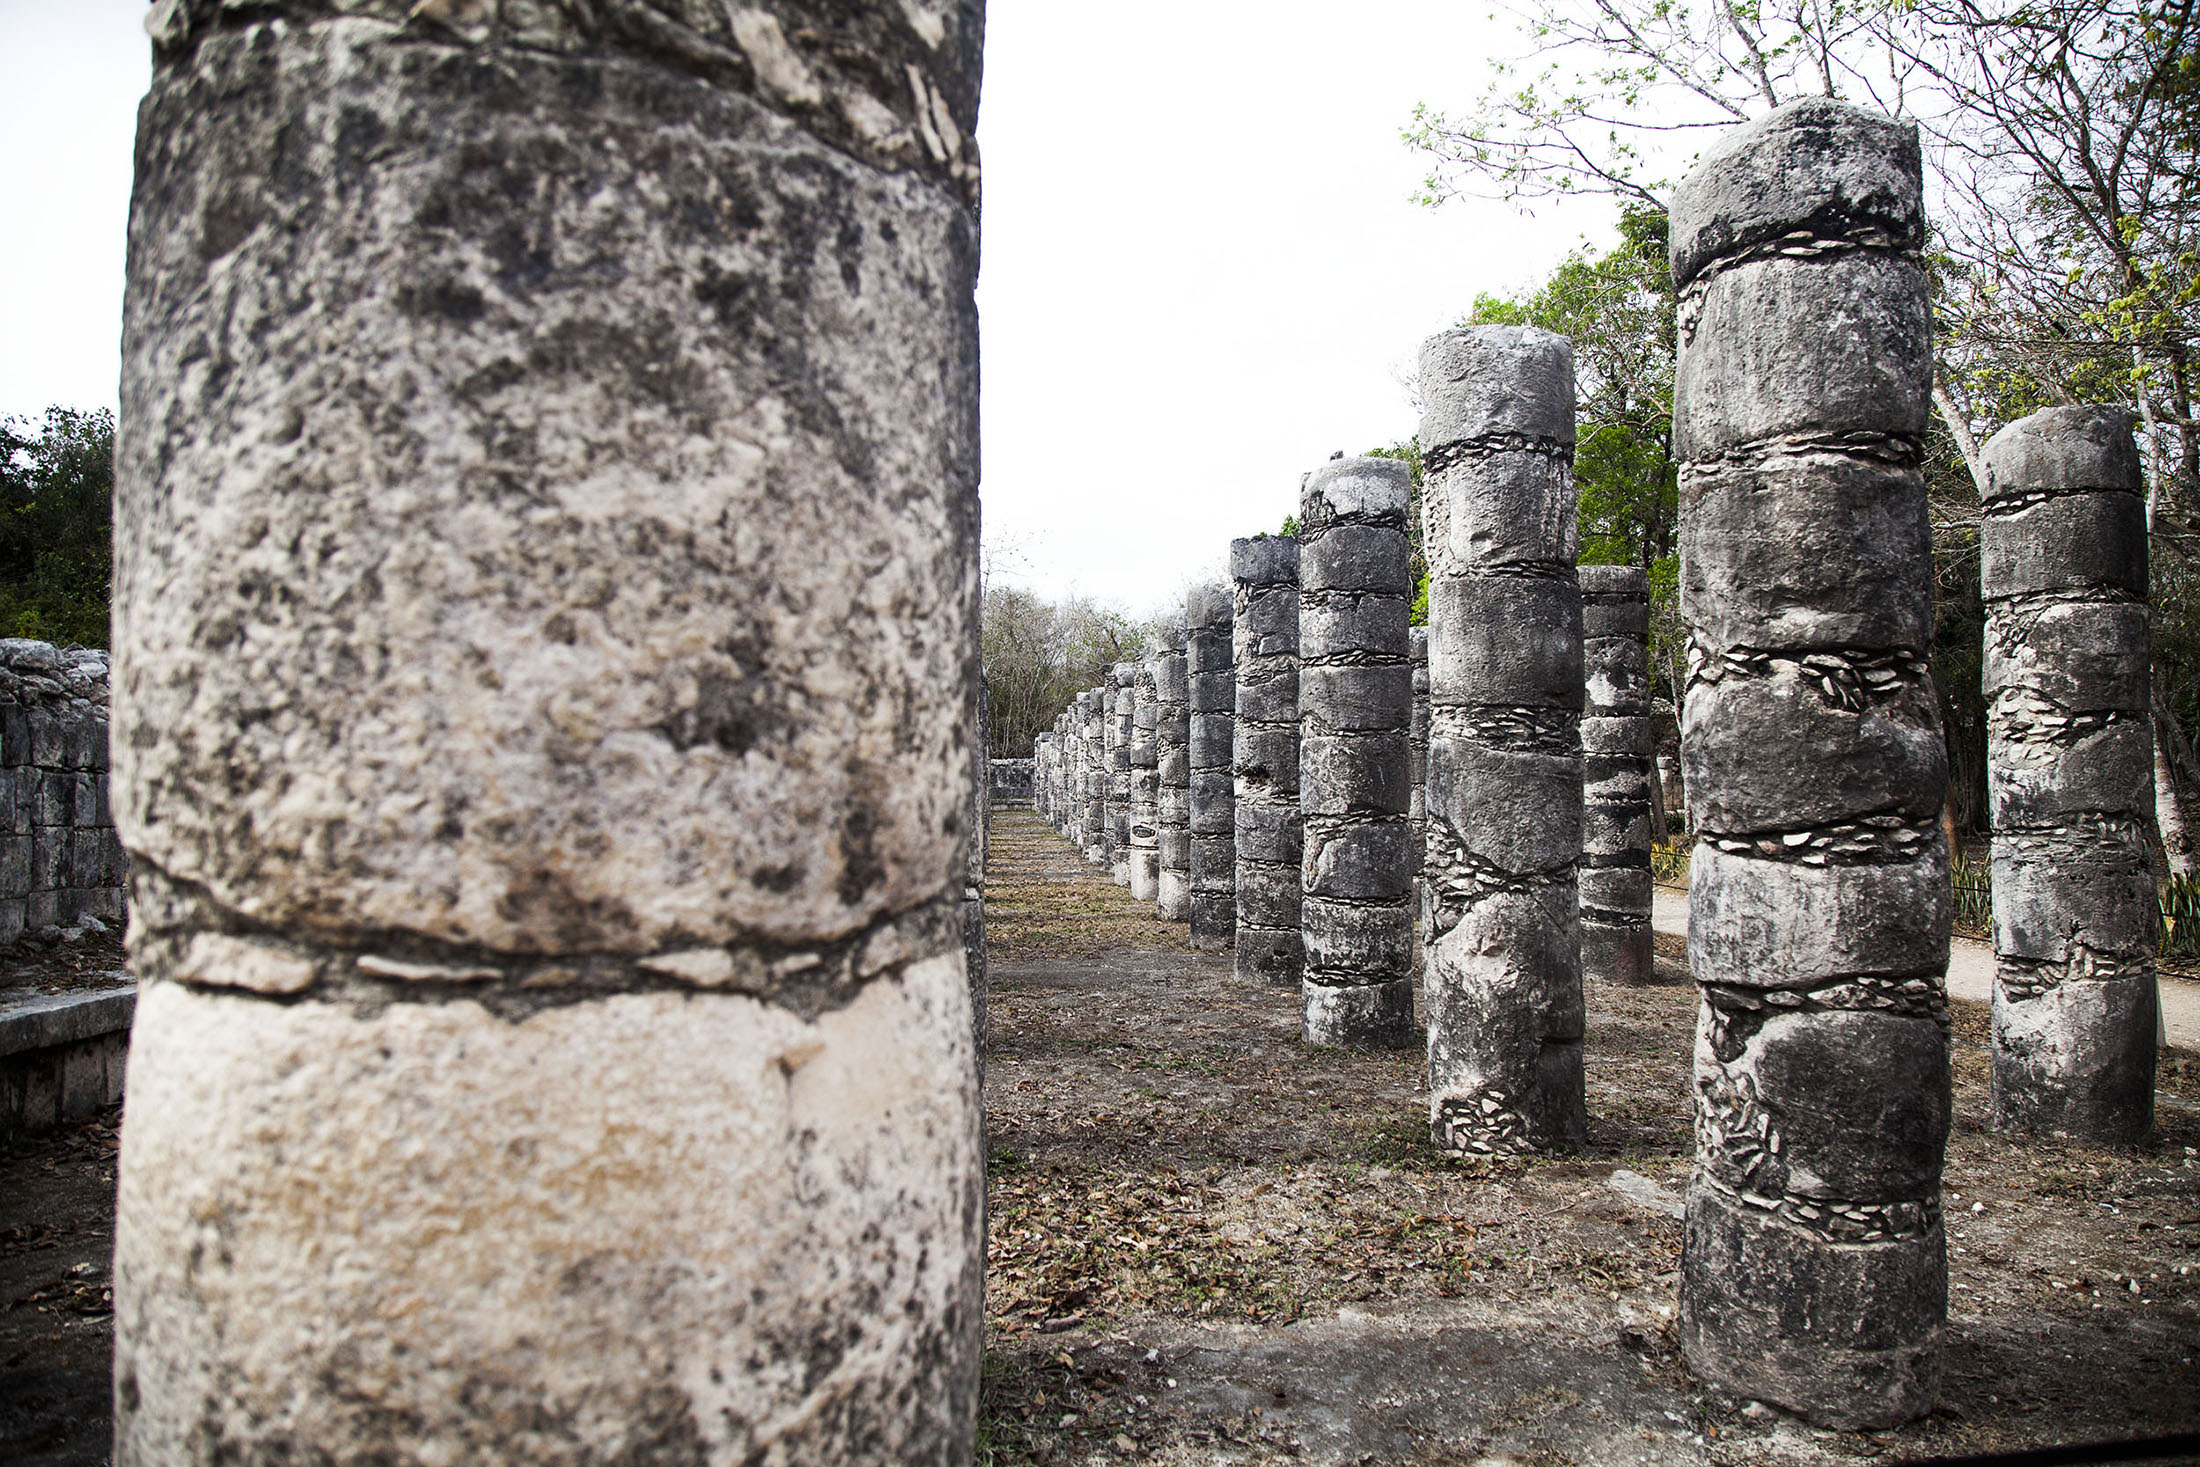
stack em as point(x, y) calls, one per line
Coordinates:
point(1445, 456)
point(1513, 729)
point(1902, 450)
point(2010, 504)
point(1826, 236)
point(1865, 840)
point(183, 935)
point(2017, 979)
point(1853, 679)
point(1736, 1013)
point(1834, 1220)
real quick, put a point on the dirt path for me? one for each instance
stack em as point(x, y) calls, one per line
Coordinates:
point(1213, 1245)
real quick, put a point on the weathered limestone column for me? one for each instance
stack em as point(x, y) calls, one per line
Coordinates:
point(1265, 759)
point(1122, 729)
point(1210, 666)
point(973, 896)
point(2069, 776)
point(554, 1042)
point(1172, 738)
point(1812, 1269)
point(1502, 970)
point(1417, 793)
point(1145, 826)
point(1099, 778)
point(1615, 774)
point(1355, 754)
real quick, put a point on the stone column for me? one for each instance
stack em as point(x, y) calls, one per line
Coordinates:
point(1122, 721)
point(2069, 776)
point(554, 1043)
point(1172, 737)
point(1355, 754)
point(1615, 774)
point(1417, 770)
point(1098, 776)
point(973, 896)
point(1210, 666)
point(1265, 759)
point(1502, 970)
point(1812, 1269)
point(1417, 794)
point(1145, 826)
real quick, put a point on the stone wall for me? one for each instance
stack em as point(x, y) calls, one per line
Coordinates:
point(59, 858)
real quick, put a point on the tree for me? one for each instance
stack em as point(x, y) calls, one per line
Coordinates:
point(2065, 199)
point(56, 518)
point(1039, 654)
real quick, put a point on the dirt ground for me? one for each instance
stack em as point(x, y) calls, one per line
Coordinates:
point(86, 958)
point(1211, 1244)
point(57, 1237)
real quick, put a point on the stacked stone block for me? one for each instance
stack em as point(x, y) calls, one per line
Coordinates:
point(553, 1041)
point(1355, 754)
point(1210, 665)
point(2069, 776)
point(1122, 729)
point(1172, 742)
point(1265, 759)
point(1813, 1270)
point(973, 897)
point(1145, 823)
point(1502, 969)
point(1417, 795)
point(1615, 774)
point(1015, 781)
point(60, 859)
point(1098, 776)
point(1417, 771)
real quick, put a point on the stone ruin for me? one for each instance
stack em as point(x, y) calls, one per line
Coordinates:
point(60, 859)
point(459, 743)
point(1813, 1272)
point(1210, 666)
point(1504, 797)
point(1173, 759)
point(1264, 760)
point(375, 890)
point(1355, 708)
point(2069, 776)
point(1615, 774)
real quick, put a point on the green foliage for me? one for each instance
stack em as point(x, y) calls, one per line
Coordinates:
point(1616, 308)
point(56, 519)
point(1408, 451)
point(2179, 933)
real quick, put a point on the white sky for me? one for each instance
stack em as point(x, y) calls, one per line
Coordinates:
point(1202, 274)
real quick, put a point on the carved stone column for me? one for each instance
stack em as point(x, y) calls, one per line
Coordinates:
point(2069, 776)
point(1210, 664)
point(1099, 777)
point(1812, 1273)
point(1172, 739)
point(1503, 966)
point(1265, 759)
point(554, 1043)
point(1122, 728)
point(1355, 706)
point(1615, 774)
